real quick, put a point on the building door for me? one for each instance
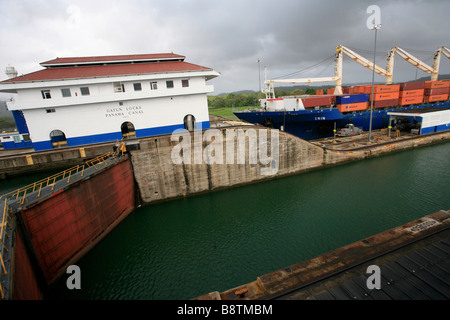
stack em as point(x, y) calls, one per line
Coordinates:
point(58, 139)
point(128, 131)
point(189, 122)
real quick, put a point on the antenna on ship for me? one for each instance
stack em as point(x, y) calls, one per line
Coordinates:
point(11, 72)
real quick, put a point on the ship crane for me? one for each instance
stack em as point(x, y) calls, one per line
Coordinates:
point(433, 70)
point(388, 72)
point(445, 51)
point(340, 50)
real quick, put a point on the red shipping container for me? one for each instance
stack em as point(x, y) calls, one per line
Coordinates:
point(349, 107)
point(385, 88)
point(386, 96)
point(410, 100)
point(412, 93)
point(436, 84)
point(330, 91)
point(440, 97)
point(317, 101)
point(436, 91)
point(319, 92)
point(385, 103)
point(412, 85)
point(366, 89)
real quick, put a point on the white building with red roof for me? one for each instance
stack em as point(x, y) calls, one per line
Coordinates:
point(86, 100)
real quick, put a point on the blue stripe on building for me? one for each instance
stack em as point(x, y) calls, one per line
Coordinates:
point(114, 136)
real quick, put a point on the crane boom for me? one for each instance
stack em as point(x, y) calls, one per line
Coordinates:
point(413, 60)
point(361, 60)
point(446, 51)
point(340, 50)
point(302, 80)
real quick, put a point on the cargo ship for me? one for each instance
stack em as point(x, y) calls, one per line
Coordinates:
point(317, 116)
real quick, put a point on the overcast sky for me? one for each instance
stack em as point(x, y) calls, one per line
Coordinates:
point(227, 35)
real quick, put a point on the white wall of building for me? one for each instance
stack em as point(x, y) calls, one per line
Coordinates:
point(103, 111)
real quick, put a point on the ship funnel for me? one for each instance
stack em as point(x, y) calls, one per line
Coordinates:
point(11, 72)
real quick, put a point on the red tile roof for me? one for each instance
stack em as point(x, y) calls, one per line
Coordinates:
point(64, 73)
point(117, 58)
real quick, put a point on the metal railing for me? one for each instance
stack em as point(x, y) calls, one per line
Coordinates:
point(21, 193)
point(4, 222)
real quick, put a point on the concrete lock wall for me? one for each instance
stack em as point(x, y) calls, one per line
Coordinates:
point(159, 178)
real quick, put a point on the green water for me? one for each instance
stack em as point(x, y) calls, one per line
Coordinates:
point(185, 248)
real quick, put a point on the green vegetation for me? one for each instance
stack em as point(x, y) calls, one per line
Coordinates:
point(223, 105)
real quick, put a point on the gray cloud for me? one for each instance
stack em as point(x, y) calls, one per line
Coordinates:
point(229, 36)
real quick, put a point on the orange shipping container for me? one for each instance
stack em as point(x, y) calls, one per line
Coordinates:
point(330, 91)
point(319, 92)
point(352, 106)
point(410, 100)
point(386, 96)
point(385, 88)
point(411, 93)
point(440, 97)
point(436, 84)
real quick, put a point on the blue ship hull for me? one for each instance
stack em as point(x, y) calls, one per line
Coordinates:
point(316, 124)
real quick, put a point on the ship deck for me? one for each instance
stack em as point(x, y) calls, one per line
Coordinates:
point(378, 137)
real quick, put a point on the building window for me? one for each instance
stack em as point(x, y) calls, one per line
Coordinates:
point(85, 91)
point(154, 85)
point(137, 86)
point(50, 110)
point(119, 87)
point(185, 83)
point(46, 94)
point(169, 84)
point(66, 93)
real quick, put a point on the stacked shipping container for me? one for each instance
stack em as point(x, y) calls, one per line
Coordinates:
point(436, 90)
point(352, 102)
point(411, 93)
point(358, 98)
point(386, 95)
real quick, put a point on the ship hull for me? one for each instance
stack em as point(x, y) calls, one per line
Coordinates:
point(316, 124)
